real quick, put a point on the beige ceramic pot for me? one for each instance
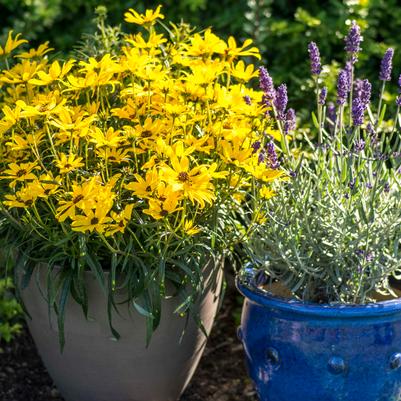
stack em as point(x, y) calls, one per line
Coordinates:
point(96, 367)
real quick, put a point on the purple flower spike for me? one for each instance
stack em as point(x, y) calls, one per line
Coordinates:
point(358, 87)
point(357, 111)
point(314, 55)
point(281, 100)
point(290, 121)
point(256, 146)
point(272, 159)
point(353, 39)
point(398, 101)
point(323, 96)
point(247, 100)
point(386, 187)
point(342, 87)
point(261, 157)
point(386, 65)
point(359, 146)
point(331, 112)
point(366, 92)
point(267, 86)
point(348, 69)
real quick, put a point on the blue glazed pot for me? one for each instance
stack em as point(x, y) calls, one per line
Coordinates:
point(299, 351)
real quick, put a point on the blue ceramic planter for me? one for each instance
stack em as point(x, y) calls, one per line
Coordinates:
point(308, 352)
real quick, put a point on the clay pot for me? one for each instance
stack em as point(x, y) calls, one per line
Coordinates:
point(94, 366)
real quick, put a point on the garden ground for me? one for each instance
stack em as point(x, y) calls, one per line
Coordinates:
point(221, 375)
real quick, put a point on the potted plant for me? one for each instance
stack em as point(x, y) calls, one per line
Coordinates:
point(124, 172)
point(321, 319)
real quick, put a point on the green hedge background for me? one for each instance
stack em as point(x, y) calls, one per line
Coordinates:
point(281, 28)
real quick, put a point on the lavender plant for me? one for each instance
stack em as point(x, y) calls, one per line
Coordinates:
point(333, 233)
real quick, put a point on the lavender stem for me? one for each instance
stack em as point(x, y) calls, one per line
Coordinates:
point(380, 103)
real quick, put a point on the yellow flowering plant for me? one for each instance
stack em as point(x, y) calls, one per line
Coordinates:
point(138, 161)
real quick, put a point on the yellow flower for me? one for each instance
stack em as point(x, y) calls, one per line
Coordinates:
point(234, 151)
point(39, 52)
point(82, 196)
point(164, 206)
point(110, 138)
point(22, 199)
point(145, 188)
point(189, 228)
point(266, 192)
point(93, 220)
point(149, 18)
point(205, 73)
point(68, 163)
point(120, 220)
point(114, 155)
point(153, 41)
point(43, 105)
point(44, 186)
point(206, 45)
point(11, 117)
point(19, 172)
point(21, 73)
point(231, 51)
point(11, 44)
point(55, 72)
point(194, 183)
point(243, 73)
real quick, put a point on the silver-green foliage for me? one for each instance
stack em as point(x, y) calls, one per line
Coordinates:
point(327, 242)
point(333, 232)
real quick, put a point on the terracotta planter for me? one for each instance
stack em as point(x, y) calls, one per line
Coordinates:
point(96, 367)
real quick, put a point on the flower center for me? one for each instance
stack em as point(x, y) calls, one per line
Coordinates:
point(183, 176)
point(77, 199)
point(21, 173)
point(94, 221)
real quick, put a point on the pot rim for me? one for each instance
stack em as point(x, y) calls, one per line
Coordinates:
point(246, 286)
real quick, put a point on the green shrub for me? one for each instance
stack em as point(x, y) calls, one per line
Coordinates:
point(10, 312)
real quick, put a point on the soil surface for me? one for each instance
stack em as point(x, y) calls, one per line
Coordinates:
point(221, 375)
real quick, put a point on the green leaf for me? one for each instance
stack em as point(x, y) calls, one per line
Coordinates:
point(61, 309)
point(382, 114)
point(315, 121)
point(97, 270)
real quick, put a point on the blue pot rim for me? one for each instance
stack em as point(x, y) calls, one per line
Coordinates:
point(246, 285)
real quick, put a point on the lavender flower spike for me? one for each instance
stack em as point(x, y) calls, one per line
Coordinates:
point(290, 121)
point(357, 111)
point(386, 65)
point(323, 96)
point(348, 69)
point(353, 39)
point(314, 55)
point(272, 159)
point(331, 111)
point(281, 101)
point(359, 145)
point(342, 87)
point(266, 84)
point(366, 92)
